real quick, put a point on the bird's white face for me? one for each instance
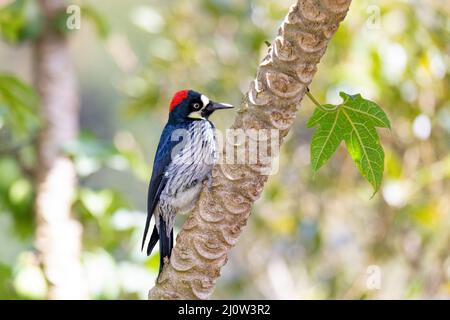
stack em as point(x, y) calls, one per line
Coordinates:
point(205, 100)
point(198, 106)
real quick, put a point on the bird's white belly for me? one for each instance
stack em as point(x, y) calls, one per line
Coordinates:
point(185, 200)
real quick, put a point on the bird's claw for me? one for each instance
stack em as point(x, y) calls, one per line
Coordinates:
point(209, 182)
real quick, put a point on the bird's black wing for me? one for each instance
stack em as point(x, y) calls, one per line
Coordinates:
point(158, 182)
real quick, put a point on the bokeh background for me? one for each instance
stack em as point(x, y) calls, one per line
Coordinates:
point(309, 237)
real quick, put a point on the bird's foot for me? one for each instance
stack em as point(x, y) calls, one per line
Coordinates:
point(209, 183)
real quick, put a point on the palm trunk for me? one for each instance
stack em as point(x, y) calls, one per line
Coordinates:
point(58, 235)
point(271, 103)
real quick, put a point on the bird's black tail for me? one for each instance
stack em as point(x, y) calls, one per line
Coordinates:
point(153, 240)
point(165, 244)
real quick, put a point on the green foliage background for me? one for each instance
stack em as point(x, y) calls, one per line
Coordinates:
point(311, 235)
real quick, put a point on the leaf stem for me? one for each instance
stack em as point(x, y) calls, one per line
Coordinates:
point(318, 105)
point(310, 96)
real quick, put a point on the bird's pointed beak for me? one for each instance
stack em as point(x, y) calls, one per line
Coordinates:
point(213, 106)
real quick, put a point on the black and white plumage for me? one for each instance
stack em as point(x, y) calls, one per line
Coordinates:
point(184, 159)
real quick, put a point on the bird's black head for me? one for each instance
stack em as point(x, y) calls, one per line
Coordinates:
point(188, 103)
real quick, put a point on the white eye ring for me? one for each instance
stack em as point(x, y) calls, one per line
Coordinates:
point(196, 105)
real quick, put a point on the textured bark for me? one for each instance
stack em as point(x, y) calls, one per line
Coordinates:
point(58, 235)
point(271, 103)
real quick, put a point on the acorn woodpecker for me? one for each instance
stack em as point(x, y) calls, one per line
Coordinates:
point(184, 159)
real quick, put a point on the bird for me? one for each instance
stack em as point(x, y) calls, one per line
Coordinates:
point(185, 156)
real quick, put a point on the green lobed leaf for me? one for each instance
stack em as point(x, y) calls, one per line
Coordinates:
point(327, 137)
point(354, 121)
point(365, 149)
point(363, 109)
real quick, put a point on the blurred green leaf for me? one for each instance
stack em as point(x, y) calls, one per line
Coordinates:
point(9, 172)
point(153, 262)
point(18, 104)
point(20, 190)
point(97, 19)
point(91, 154)
point(98, 202)
point(30, 280)
point(90, 146)
point(20, 21)
point(16, 196)
point(6, 288)
point(91, 15)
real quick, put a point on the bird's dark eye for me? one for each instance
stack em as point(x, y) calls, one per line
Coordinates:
point(196, 105)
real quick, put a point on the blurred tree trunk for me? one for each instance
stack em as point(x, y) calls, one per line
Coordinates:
point(58, 235)
point(271, 103)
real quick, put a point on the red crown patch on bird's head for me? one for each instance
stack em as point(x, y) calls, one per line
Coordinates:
point(178, 98)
